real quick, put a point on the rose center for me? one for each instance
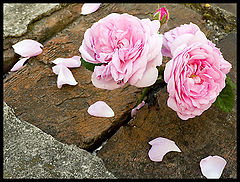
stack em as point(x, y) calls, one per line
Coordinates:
point(122, 43)
point(196, 78)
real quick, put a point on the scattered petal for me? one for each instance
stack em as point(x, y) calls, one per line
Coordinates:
point(212, 166)
point(72, 62)
point(161, 146)
point(88, 8)
point(64, 75)
point(28, 48)
point(100, 109)
point(19, 64)
point(134, 111)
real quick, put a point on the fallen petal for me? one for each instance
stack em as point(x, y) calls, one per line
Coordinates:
point(28, 48)
point(73, 62)
point(88, 8)
point(161, 146)
point(19, 64)
point(140, 105)
point(64, 76)
point(100, 109)
point(212, 166)
point(134, 110)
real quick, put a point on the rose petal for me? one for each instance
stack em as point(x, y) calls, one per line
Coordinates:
point(72, 62)
point(64, 75)
point(161, 146)
point(88, 8)
point(149, 77)
point(101, 83)
point(139, 106)
point(212, 166)
point(100, 109)
point(19, 64)
point(28, 48)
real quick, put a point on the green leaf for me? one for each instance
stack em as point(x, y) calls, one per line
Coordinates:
point(229, 81)
point(89, 66)
point(225, 99)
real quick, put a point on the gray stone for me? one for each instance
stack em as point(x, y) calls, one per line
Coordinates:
point(231, 7)
point(31, 153)
point(17, 16)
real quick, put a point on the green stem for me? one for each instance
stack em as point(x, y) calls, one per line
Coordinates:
point(144, 93)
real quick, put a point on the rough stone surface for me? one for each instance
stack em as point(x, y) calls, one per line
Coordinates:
point(213, 133)
point(230, 7)
point(17, 16)
point(40, 30)
point(228, 47)
point(30, 153)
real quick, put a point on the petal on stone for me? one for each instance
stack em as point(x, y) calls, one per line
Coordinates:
point(100, 109)
point(19, 64)
point(88, 8)
point(72, 62)
point(139, 106)
point(133, 112)
point(28, 48)
point(212, 166)
point(64, 76)
point(160, 147)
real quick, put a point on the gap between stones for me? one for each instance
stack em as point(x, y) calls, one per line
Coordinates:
point(150, 100)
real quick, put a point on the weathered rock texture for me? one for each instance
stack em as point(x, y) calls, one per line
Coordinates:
point(213, 133)
point(17, 16)
point(30, 153)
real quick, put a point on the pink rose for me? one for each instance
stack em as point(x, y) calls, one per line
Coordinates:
point(180, 37)
point(129, 48)
point(195, 77)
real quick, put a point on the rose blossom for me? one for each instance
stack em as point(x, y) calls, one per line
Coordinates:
point(180, 37)
point(195, 77)
point(128, 48)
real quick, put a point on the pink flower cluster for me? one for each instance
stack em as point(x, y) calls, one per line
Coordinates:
point(196, 73)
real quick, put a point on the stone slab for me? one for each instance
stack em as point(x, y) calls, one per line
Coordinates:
point(30, 153)
point(17, 16)
point(230, 7)
point(213, 133)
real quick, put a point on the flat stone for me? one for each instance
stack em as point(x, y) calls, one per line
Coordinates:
point(230, 7)
point(17, 16)
point(228, 47)
point(28, 152)
point(213, 133)
point(40, 30)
